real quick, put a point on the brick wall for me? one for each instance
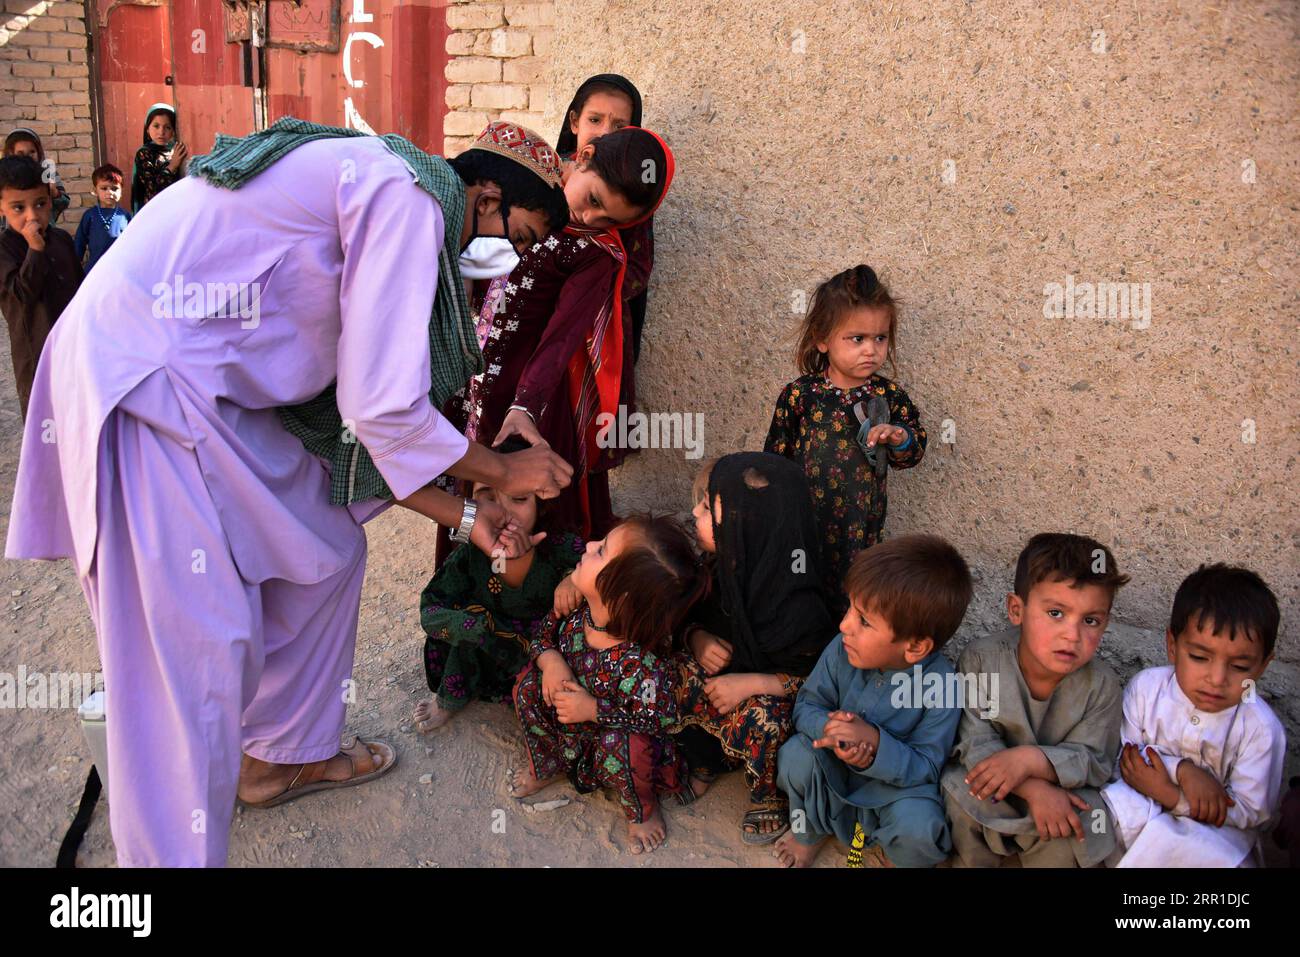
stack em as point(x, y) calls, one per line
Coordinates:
point(499, 56)
point(45, 85)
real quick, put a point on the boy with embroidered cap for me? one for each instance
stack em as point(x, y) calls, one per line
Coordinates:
point(1024, 777)
point(214, 465)
point(871, 736)
point(1200, 774)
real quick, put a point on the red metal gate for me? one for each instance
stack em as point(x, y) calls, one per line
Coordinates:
point(232, 66)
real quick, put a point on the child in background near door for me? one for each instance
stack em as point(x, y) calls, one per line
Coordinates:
point(161, 160)
point(103, 222)
point(821, 418)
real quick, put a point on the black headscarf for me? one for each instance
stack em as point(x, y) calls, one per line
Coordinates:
point(567, 142)
point(567, 145)
point(767, 566)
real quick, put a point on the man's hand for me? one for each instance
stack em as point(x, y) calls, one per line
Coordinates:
point(574, 704)
point(1000, 774)
point(1150, 779)
point(712, 652)
point(567, 598)
point(1054, 809)
point(1208, 798)
point(555, 672)
point(536, 471)
point(34, 235)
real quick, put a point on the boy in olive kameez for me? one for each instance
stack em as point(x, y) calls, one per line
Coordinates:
point(1026, 772)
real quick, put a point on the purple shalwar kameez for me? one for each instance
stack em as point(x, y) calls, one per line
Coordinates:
point(223, 585)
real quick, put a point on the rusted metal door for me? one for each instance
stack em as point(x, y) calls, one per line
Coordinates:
point(232, 66)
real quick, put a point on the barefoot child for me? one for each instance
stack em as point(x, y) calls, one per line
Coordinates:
point(753, 640)
point(1201, 770)
point(597, 698)
point(1025, 775)
point(823, 419)
point(478, 615)
point(864, 764)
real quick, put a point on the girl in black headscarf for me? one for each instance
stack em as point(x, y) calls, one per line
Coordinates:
point(759, 632)
point(604, 103)
point(161, 160)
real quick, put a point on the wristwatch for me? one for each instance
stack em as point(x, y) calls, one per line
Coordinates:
point(461, 534)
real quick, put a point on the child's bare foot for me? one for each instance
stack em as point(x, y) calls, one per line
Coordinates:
point(649, 834)
point(524, 783)
point(428, 716)
point(793, 854)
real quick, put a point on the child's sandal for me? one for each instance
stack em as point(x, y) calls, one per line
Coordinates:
point(687, 796)
point(751, 825)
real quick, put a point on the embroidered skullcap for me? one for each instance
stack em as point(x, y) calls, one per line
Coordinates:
point(523, 146)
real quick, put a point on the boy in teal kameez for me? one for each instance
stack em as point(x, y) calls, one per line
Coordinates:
point(872, 731)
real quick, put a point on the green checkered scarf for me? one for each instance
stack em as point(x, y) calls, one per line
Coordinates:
point(454, 354)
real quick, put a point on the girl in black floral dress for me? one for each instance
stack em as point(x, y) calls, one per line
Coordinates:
point(827, 421)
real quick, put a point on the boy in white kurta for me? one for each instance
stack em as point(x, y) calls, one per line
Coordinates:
point(1212, 774)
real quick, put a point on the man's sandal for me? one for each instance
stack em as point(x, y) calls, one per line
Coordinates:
point(311, 777)
point(751, 824)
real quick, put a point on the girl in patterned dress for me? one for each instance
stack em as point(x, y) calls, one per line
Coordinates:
point(478, 612)
point(558, 352)
point(823, 419)
point(161, 160)
point(757, 635)
point(597, 699)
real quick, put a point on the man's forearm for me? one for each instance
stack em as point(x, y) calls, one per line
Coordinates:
point(480, 464)
point(434, 503)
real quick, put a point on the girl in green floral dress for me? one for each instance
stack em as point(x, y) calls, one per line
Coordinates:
point(824, 422)
point(478, 618)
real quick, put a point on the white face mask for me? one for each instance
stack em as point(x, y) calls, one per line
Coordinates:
point(488, 257)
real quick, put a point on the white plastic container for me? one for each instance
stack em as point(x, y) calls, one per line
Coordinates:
point(94, 728)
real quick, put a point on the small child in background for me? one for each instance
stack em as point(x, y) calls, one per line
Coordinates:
point(478, 617)
point(25, 142)
point(870, 743)
point(102, 223)
point(1020, 777)
point(824, 421)
point(160, 160)
point(39, 269)
point(597, 700)
point(1200, 775)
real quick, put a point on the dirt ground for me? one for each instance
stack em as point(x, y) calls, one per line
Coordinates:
point(445, 804)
